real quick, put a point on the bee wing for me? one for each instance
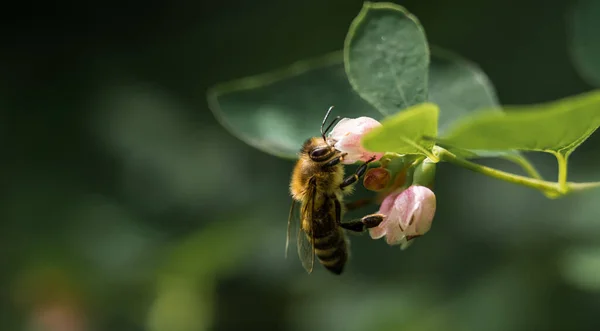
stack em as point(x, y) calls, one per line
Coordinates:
point(291, 219)
point(306, 250)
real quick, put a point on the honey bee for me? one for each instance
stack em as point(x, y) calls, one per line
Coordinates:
point(318, 186)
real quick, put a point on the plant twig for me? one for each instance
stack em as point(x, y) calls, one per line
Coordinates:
point(551, 188)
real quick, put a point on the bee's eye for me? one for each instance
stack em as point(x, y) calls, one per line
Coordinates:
point(319, 153)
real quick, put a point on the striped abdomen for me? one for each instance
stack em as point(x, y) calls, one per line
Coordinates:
point(331, 249)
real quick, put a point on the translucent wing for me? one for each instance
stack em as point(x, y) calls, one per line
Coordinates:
point(292, 220)
point(306, 250)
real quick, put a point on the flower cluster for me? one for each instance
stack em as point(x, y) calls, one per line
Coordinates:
point(408, 211)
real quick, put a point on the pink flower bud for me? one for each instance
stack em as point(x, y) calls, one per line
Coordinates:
point(347, 135)
point(408, 215)
point(376, 179)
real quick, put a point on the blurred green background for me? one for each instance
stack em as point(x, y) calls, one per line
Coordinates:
point(125, 206)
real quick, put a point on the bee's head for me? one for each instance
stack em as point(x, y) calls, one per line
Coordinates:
point(321, 149)
point(318, 150)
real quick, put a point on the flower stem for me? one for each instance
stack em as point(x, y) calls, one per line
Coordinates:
point(550, 188)
point(525, 164)
point(575, 187)
point(562, 169)
point(427, 153)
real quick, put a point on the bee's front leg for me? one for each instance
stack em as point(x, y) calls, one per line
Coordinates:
point(355, 176)
point(335, 161)
point(360, 225)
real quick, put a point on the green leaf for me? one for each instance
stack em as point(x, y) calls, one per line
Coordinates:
point(458, 86)
point(558, 126)
point(585, 41)
point(277, 111)
point(403, 133)
point(386, 57)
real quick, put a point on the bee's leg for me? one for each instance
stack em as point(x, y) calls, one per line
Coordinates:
point(334, 161)
point(338, 211)
point(360, 225)
point(359, 172)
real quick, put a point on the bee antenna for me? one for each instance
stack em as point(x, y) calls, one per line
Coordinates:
point(323, 132)
point(325, 120)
